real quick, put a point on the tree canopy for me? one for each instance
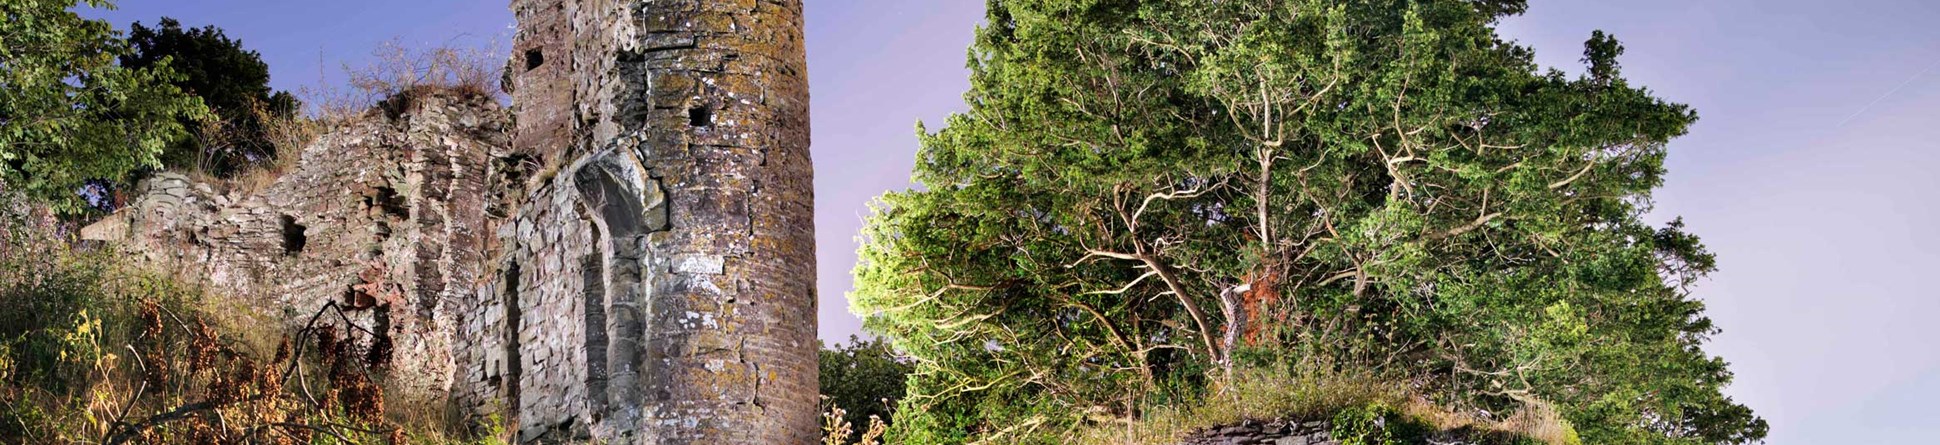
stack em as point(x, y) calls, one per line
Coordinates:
point(231, 80)
point(1145, 195)
point(68, 113)
point(863, 377)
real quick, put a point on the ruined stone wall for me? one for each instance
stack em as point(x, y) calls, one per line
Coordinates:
point(632, 261)
point(391, 202)
point(1265, 433)
point(1283, 432)
point(657, 285)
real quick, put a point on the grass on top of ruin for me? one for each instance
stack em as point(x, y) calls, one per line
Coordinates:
point(395, 77)
point(400, 72)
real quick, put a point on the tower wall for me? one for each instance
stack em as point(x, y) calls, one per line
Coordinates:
point(656, 285)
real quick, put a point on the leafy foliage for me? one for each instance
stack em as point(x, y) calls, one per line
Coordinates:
point(52, 325)
point(68, 113)
point(864, 378)
point(1373, 424)
point(1146, 197)
point(231, 80)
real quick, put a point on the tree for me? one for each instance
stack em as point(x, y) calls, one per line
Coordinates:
point(232, 81)
point(863, 377)
point(1145, 195)
point(68, 113)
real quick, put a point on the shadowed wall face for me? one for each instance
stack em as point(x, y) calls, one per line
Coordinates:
point(665, 287)
point(376, 217)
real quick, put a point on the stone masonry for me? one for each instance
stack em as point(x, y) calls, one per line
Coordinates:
point(629, 259)
point(1286, 432)
point(659, 287)
point(392, 201)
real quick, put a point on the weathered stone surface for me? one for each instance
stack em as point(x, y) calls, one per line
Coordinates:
point(631, 262)
point(384, 203)
point(666, 270)
point(1282, 432)
point(1264, 433)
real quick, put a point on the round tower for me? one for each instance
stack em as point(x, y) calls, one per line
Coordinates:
point(657, 282)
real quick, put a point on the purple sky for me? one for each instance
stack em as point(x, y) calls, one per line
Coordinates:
point(1809, 173)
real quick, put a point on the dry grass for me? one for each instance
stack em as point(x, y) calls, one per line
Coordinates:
point(1268, 395)
point(1252, 395)
point(836, 429)
point(94, 350)
point(1537, 420)
point(395, 76)
point(290, 135)
point(399, 70)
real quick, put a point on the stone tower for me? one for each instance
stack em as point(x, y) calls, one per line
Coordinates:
point(632, 262)
point(656, 284)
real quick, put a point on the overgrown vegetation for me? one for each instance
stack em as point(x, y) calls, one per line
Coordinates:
point(1350, 400)
point(398, 72)
point(1149, 200)
point(71, 117)
point(864, 378)
point(246, 118)
point(838, 430)
point(394, 78)
point(83, 111)
point(285, 135)
point(93, 350)
point(96, 350)
point(389, 83)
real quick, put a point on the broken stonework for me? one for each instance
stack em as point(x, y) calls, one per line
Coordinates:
point(381, 206)
point(631, 262)
point(1283, 432)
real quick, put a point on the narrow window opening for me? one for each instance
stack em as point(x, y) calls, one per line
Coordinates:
point(533, 58)
point(513, 316)
point(593, 290)
point(293, 236)
point(700, 116)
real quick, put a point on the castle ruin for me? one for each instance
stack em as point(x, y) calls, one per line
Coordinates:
point(628, 257)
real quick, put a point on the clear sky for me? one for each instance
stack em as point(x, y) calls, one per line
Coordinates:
point(1810, 174)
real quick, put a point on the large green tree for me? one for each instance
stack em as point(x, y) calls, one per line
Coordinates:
point(1145, 195)
point(68, 113)
point(231, 80)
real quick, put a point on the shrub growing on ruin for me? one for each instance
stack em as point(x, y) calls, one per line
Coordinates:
point(396, 72)
point(231, 80)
